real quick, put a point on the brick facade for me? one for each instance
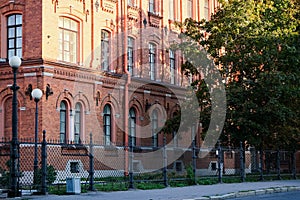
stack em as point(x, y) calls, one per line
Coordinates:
point(83, 81)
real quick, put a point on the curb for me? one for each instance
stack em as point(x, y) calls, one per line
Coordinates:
point(249, 193)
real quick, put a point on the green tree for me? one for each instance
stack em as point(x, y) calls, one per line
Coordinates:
point(255, 43)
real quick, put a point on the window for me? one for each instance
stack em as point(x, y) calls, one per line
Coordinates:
point(77, 123)
point(107, 124)
point(189, 10)
point(206, 9)
point(151, 6)
point(152, 52)
point(172, 66)
point(130, 58)
point(171, 9)
point(63, 122)
point(105, 50)
point(68, 40)
point(74, 167)
point(131, 3)
point(132, 127)
point(213, 166)
point(154, 121)
point(14, 35)
point(178, 166)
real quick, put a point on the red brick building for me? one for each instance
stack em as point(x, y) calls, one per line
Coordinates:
point(95, 61)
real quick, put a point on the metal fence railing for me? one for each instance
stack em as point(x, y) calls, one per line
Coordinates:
point(101, 165)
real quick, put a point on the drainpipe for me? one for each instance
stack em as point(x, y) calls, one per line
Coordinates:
point(92, 34)
point(124, 62)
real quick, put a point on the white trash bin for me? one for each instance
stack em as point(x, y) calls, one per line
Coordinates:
point(73, 185)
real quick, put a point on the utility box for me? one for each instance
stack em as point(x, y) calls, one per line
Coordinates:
point(73, 185)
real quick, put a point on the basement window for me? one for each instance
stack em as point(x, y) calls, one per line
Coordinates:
point(74, 167)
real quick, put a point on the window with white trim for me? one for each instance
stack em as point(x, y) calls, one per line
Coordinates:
point(77, 123)
point(152, 60)
point(68, 40)
point(105, 50)
point(130, 55)
point(14, 35)
point(152, 6)
point(172, 66)
point(132, 127)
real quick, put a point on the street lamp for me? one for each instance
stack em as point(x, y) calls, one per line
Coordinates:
point(36, 95)
point(15, 63)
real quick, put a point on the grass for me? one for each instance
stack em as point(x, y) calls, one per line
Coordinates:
point(148, 186)
point(155, 181)
point(111, 187)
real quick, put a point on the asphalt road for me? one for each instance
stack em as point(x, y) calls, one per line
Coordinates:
point(275, 196)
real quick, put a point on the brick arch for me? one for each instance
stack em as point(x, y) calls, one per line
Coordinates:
point(137, 105)
point(8, 92)
point(67, 96)
point(112, 101)
point(84, 100)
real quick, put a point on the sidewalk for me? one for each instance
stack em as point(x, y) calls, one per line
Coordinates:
point(217, 191)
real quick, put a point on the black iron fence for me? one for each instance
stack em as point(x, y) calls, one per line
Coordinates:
point(100, 165)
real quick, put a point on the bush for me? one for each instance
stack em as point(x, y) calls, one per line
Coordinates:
point(51, 175)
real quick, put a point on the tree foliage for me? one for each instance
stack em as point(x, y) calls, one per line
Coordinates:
point(255, 43)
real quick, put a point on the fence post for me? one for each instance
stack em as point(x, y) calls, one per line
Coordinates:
point(261, 164)
point(220, 162)
point(91, 158)
point(194, 160)
point(131, 181)
point(294, 165)
point(165, 162)
point(242, 162)
point(278, 164)
point(44, 164)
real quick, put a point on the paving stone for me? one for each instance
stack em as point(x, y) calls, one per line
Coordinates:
point(229, 196)
point(246, 193)
point(269, 191)
point(259, 192)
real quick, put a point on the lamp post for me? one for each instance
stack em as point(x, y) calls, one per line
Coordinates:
point(36, 95)
point(15, 63)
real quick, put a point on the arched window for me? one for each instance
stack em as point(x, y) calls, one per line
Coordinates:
point(77, 123)
point(7, 115)
point(68, 40)
point(132, 127)
point(105, 50)
point(63, 122)
point(107, 124)
point(154, 123)
point(14, 35)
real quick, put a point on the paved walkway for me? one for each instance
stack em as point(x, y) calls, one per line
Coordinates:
point(217, 191)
